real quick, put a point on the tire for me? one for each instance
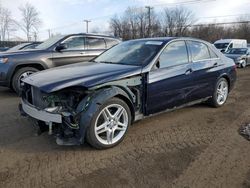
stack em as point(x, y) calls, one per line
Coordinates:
point(243, 64)
point(221, 90)
point(110, 133)
point(20, 74)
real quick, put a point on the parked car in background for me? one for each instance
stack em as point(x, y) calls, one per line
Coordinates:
point(56, 51)
point(24, 46)
point(241, 56)
point(226, 44)
point(3, 49)
point(98, 100)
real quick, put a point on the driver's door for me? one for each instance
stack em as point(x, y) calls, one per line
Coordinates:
point(170, 80)
point(75, 51)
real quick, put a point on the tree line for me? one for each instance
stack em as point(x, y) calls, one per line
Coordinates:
point(136, 22)
point(29, 22)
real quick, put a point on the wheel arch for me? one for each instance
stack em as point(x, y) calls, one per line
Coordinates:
point(91, 103)
point(228, 80)
point(38, 66)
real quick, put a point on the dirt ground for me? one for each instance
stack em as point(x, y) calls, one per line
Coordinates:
point(193, 147)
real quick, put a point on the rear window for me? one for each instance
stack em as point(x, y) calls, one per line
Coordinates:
point(199, 51)
point(95, 43)
point(111, 42)
point(212, 53)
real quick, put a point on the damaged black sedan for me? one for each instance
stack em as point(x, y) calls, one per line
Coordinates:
point(97, 101)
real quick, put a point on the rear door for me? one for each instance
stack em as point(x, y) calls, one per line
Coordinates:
point(205, 66)
point(74, 53)
point(169, 80)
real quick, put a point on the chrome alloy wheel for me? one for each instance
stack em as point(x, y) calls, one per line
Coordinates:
point(111, 124)
point(243, 64)
point(24, 75)
point(222, 92)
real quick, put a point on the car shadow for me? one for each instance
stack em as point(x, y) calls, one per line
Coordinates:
point(6, 92)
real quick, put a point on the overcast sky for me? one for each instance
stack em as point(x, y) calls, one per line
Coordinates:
point(66, 16)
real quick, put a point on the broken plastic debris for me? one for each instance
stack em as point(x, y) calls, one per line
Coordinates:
point(245, 131)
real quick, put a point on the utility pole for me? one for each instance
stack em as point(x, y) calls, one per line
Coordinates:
point(149, 19)
point(87, 25)
point(49, 33)
point(35, 36)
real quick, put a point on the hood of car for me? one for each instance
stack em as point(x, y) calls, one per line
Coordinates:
point(19, 52)
point(86, 74)
point(235, 56)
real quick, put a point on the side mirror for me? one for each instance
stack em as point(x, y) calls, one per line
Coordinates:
point(223, 50)
point(61, 47)
point(157, 65)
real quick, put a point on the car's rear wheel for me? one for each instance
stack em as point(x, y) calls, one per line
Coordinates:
point(21, 74)
point(109, 124)
point(220, 95)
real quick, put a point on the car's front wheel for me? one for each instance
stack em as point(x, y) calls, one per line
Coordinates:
point(109, 124)
point(243, 64)
point(220, 95)
point(21, 74)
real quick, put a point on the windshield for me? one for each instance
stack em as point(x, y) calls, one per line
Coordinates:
point(49, 42)
point(221, 45)
point(237, 51)
point(136, 52)
point(17, 47)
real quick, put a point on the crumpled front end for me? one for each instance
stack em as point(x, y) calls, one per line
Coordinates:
point(68, 113)
point(55, 112)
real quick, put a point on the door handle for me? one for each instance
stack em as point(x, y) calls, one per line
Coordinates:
point(189, 71)
point(82, 52)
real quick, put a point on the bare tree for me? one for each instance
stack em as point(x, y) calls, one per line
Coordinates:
point(116, 26)
point(30, 19)
point(6, 23)
point(134, 24)
point(177, 20)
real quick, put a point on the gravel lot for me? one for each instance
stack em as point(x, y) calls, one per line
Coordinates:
point(193, 147)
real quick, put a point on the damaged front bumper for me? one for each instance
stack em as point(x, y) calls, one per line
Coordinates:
point(39, 114)
point(66, 135)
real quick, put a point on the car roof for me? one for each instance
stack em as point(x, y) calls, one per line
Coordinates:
point(92, 35)
point(168, 39)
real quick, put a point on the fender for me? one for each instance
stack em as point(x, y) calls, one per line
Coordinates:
point(91, 103)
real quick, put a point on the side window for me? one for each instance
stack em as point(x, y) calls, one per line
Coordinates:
point(199, 51)
point(212, 53)
point(95, 43)
point(75, 43)
point(174, 54)
point(111, 42)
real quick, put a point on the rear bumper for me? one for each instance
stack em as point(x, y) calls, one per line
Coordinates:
point(42, 115)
